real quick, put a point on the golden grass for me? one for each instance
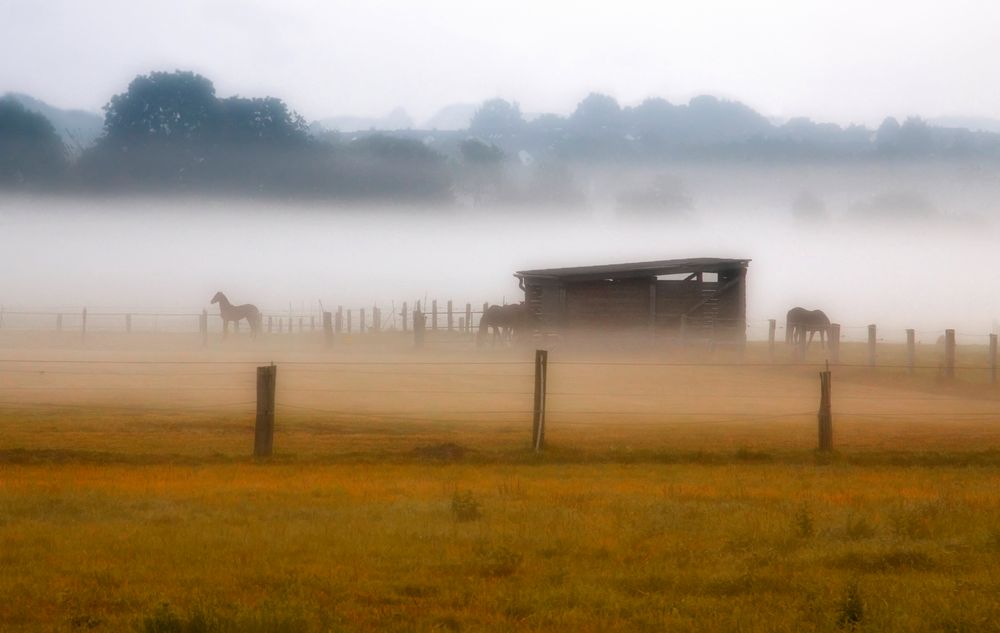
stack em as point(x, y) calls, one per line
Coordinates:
point(390, 507)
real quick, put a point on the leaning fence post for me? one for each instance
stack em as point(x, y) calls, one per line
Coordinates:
point(871, 345)
point(328, 329)
point(203, 327)
point(771, 326)
point(911, 350)
point(834, 342)
point(263, 435)
point(825, 414)
point(993, 359)
point(538, 419)
point(949, 353)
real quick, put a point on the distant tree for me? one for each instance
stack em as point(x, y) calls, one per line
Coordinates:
point(711, 121)
point(178, 106)
point(30, 149)
point(597, 114)
point(384, 166)
point(915, 138)
point(497, 118)
point(655, 123)
point(476, 152)
point(483, 173)
point(261, 120)
point(887, 136)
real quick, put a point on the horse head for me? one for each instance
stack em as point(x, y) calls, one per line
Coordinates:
point(218, 297)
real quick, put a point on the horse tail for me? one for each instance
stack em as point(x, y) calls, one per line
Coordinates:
point(484, 327)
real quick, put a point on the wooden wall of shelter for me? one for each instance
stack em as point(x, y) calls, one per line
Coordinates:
point(707, 295)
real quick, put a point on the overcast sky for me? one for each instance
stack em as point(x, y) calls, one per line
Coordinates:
point(839, 60)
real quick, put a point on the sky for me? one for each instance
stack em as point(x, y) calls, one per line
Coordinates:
point(845, 61)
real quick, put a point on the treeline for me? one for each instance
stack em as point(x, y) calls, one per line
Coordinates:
point(600, 129)
point(171, 132)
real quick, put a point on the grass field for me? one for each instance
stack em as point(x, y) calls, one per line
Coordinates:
point(403, 497)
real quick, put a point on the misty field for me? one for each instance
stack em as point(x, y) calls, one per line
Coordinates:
point(402, 496)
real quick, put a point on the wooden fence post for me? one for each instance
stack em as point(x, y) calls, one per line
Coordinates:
point(538, 418)
point(263, 435)
point(451, 318)
point(128, 323)
point(361, 320)
point(434, 315)
point(911, 350)
point(834, 342)
point(419, 322)
point(404, 316)
point(949, 353)
point(340, 320)
point(871, 345)
point(270, 324)
point(825, 412)
point(83, 324)
point(468, 318)
point(328, 329)
point(203, 327)
point(772, 324)
point(993, 359)
point(349, 321)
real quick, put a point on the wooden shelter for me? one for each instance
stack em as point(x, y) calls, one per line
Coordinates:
point(686, 298)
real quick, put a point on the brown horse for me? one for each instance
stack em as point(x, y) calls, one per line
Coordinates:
point(506, 321)
point(799, 322)
point(229, 312)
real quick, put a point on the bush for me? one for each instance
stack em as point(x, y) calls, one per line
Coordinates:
point(465, 506)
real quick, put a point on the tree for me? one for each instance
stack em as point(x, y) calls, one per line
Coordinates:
point(497, 118)
point(161, 106)
point(261, 120)
point(597, 115)
point(484, 175)
point(30, 149)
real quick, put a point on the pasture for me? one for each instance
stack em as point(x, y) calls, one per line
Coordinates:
point(679, 490)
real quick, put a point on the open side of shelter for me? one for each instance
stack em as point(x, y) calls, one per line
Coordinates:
point(692, 298)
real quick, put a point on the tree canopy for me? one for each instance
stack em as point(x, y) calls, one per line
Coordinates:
point(31, 151)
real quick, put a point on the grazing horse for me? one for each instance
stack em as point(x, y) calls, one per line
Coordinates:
point(799, 322)
point(233, 313)
point(505, 321)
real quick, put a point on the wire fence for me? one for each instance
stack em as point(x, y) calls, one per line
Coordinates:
point(579, 393)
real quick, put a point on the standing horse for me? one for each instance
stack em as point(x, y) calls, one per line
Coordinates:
point(229, 312)
point(505, 321)
point(799, 322)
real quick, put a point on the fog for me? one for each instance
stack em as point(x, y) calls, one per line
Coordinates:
point(900, 249)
